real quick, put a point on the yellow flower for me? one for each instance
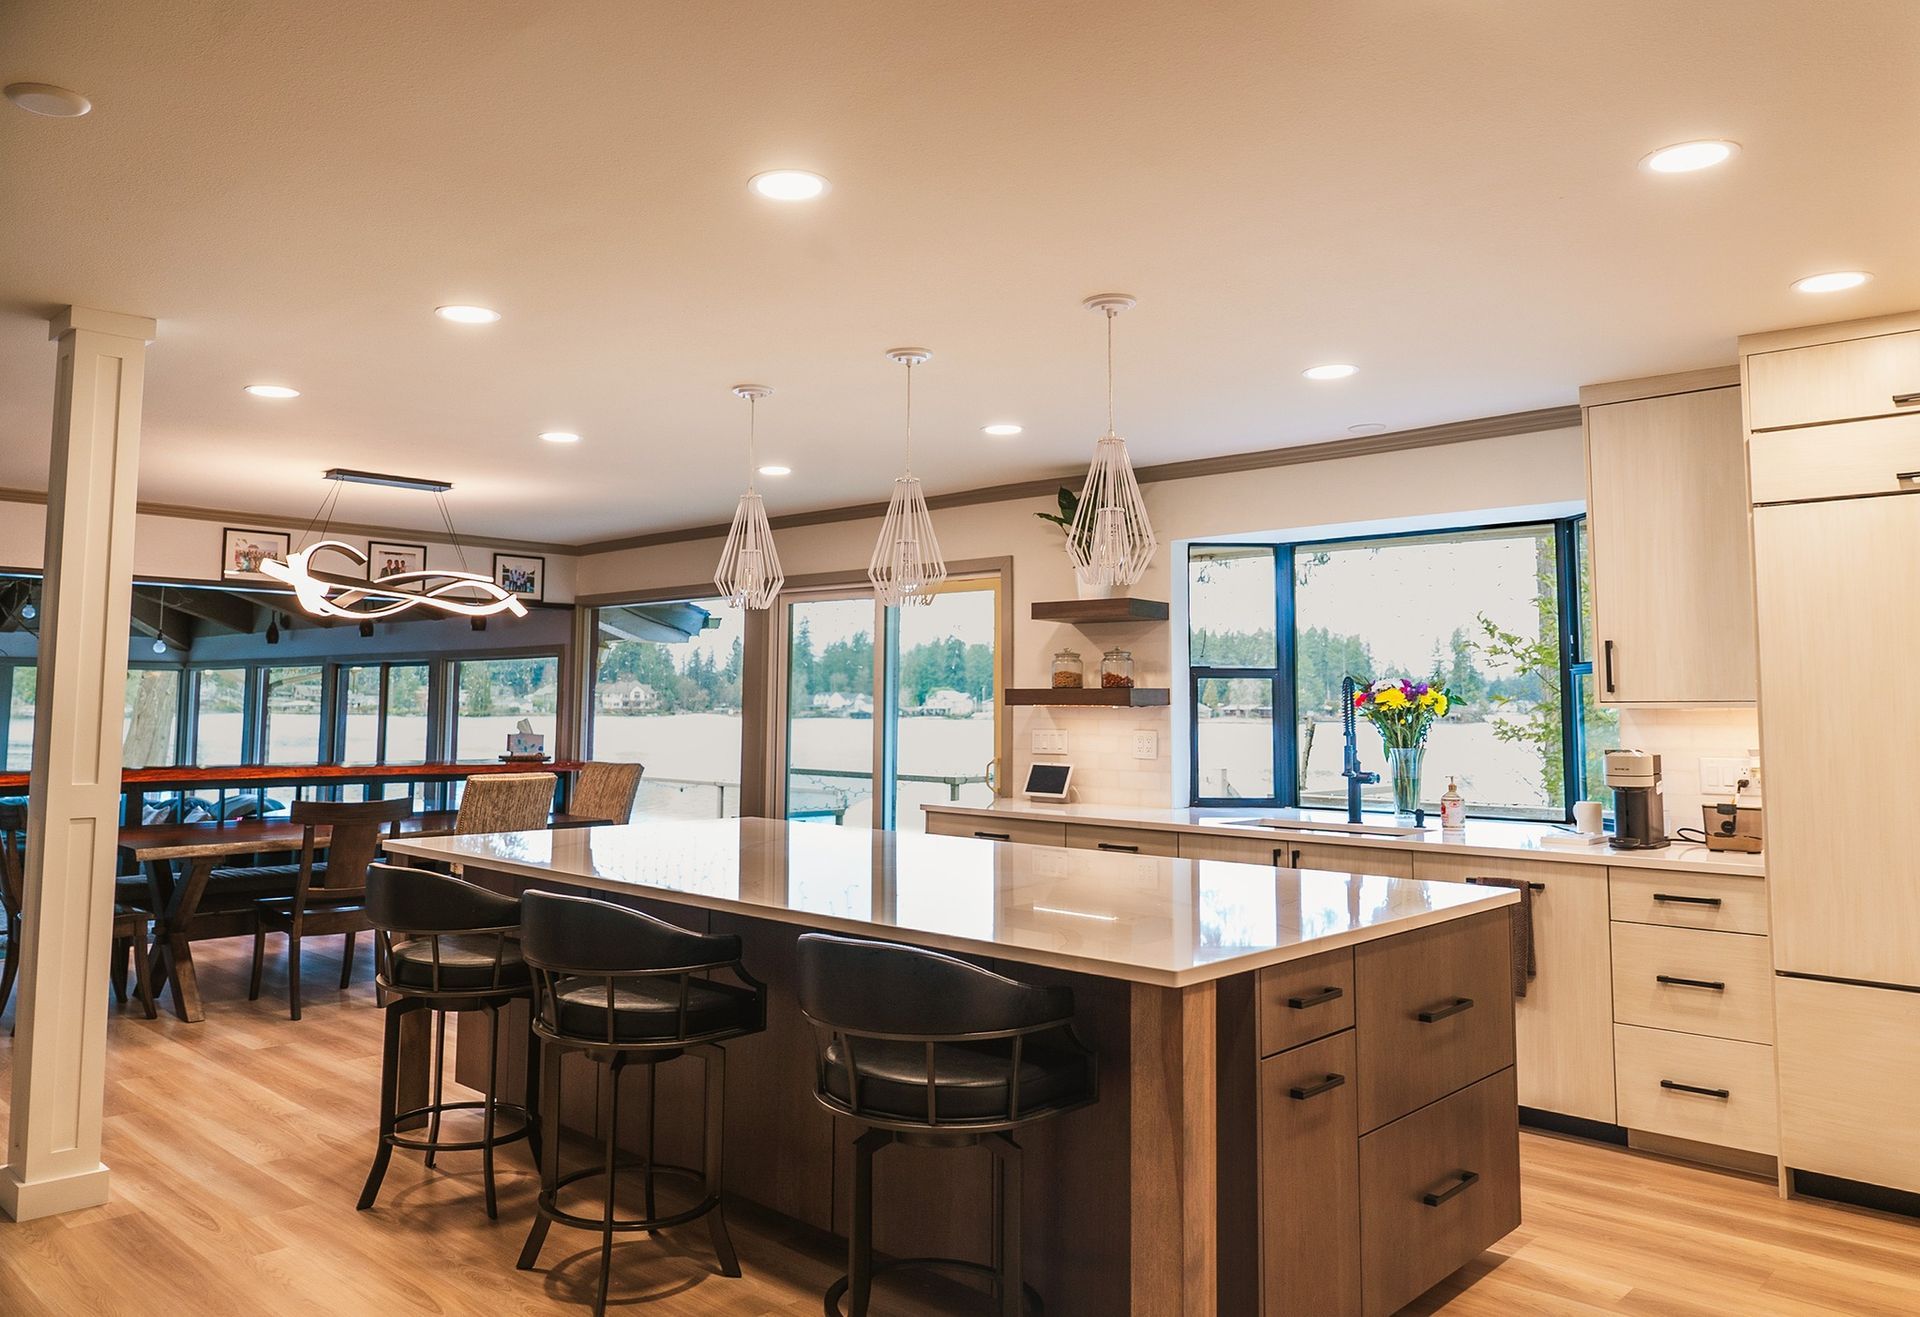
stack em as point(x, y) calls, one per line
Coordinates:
point(1391, 698)
point(1440, 706)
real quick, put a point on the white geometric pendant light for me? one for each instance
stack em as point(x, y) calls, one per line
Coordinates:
point(1111, 540)
point(749, 572)
point(906, 562)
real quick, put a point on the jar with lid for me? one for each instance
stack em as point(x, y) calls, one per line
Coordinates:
point(1068, 674)
point(1116, 669)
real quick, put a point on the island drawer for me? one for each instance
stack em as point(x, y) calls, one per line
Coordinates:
point(1029, 832)
point(1697, 982)
point(1305, 999)
point(1436, 1188)
point(1126, 841)
point(1309, 1180)
point(1689, 900)
point(1434, 1011)
point(1835, 461)
point(1710, 1090)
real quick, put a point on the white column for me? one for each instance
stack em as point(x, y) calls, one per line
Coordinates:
point(53, 1144)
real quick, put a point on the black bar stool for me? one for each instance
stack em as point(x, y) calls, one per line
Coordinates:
point(930, 1050)
point(446, 946)
point(622, 987)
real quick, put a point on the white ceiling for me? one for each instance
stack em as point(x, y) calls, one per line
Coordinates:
point(1442, 191)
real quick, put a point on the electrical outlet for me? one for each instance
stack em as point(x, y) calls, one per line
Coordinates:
point(1146, 745)
point(1049, 741)
point(1719, 776)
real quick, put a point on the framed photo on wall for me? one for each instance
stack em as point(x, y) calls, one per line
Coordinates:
point(384, 559)
point(521, 574)
point(242, 552)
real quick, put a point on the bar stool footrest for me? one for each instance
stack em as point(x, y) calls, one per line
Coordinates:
point(838, 1289)
point(545, 1203)
point(511, 1111)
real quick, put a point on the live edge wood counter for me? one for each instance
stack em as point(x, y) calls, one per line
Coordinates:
point(1199, 1184)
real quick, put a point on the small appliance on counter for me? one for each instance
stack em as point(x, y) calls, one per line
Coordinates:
point(1639, 818)
point(1736, 825)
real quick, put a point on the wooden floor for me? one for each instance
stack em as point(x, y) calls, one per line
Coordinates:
point(237, 1149)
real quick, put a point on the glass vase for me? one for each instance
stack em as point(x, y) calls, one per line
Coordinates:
point(1403, 762)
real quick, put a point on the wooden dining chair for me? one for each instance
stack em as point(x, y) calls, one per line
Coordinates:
point(129, 925)
point(606, 791)
point(505, 802)
point(327, 898)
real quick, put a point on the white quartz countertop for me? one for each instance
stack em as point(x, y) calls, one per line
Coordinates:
point(1485, 837)
point(1167, 922)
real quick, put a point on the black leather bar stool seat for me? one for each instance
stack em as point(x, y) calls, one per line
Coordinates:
point(623, 988)
point(928, 1049)
point(449, 947)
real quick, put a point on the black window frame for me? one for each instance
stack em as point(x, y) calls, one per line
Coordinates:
point(1574, 660)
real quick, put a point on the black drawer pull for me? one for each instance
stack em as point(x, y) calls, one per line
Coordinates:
point(1538, 887)
point(1315, 1090)
point(1117, 846)
point(1670, 899)
point(1676, 981)
point(1453, 1007)
point(1320, 997)
point(1906, 399)
point(1465, 1180)
point(1291, 860)
point(995, 836)
point(1678, 1087)
point(1904, 476)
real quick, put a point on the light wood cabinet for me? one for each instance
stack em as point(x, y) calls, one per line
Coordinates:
point(1839, 606)
point(1844, 380)
point(1706, 1090)
point(1849, 1081)
point(1302, 1000)
point(1720, 902)
point(1666, 513)
point(1564, 1025)
point(1027, 832)
point(1836, 461)
point(1123, 841)
point(1719, 984)
point(1289, 852)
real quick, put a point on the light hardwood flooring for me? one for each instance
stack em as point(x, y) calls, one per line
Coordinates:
point(237, 1147)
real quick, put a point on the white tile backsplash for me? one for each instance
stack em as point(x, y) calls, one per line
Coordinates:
point(1100, 748)
point(1682, 738)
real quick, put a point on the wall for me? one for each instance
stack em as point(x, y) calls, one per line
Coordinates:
point(1455, 483)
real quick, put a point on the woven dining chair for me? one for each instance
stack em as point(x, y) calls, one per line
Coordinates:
point(505, 802)
point(606, 791)
point(130, 926)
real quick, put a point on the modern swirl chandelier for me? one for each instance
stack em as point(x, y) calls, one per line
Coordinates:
point(749, 573)
point(1111, 541)
point(906, 563)
point(363, 599)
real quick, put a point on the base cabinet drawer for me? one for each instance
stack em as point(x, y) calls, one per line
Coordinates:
point(1027, 832)
point(1434, 1010)
point(1125, 841)
point(1436, 1188)
point(1304, 999)
point(1681, 978)
point(1850, 1081)
point(1349, 859)
point(1309, 1180)
point(1710, 1090)
point(1689, 900)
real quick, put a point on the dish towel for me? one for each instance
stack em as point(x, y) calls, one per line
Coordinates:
point(1520, 930)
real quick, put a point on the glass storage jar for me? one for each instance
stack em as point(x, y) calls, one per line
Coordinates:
point(1068, 673)
point(1116, 669)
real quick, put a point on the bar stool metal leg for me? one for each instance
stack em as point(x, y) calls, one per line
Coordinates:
point(646, 1167)
point(549, 1159)
point(389, 1105)
point(611, 1104)
point(1011, 1280)
point(439, 1075)
point(493, 1084)
point(715, 1059)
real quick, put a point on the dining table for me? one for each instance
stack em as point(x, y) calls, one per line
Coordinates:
point(178, 860)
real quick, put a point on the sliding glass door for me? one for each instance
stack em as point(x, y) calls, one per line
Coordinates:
point(830, 734)
point(945, 705)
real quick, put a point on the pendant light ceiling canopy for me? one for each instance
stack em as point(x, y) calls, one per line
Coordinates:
point(1111, 540)
point(749, 572)
point(906, 562)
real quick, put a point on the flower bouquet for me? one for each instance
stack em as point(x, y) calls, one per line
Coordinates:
point(1402, 711)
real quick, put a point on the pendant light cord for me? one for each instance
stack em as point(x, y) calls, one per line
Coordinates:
point(909, 419)
point(452, 534)
point(753, 458)
point(1110, 314)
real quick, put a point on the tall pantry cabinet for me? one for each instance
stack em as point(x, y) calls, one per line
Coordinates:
point(1833, 454)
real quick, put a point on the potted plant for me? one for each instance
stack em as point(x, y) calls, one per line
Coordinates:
point(1402, 711)
point(1069, 504)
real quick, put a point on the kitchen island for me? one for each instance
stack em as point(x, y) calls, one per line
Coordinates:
point(1307, 1077)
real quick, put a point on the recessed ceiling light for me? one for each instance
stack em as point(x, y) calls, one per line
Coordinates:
point(1000, 430)
point(1685, 157)
point(1835, 281)
point(560, 436)
point(467, 315)
point(1336, 370)
point(272, 391)
point(788, 185)
point(46, 99)
point(775, 469)
point(1367, 427)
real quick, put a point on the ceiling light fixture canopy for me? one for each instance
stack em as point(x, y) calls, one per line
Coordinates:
point(43, 98)
point(906, 564)
point(1111, 540)
point(366, 599)
point(749, 573)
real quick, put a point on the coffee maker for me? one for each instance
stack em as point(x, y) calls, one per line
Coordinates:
point(1639, 820)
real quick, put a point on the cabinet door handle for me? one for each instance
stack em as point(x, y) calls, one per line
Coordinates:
point(1463, 1181)
point(1906, 399)
point(995, 836)
point(1678, 982)
point(1670, 898)
point(1315, 1090)
point(1608, 650)
point(1117, 846)
point(1453, 1007)
point(1904, 476)
point(1319, 997)
point(1678, 1087)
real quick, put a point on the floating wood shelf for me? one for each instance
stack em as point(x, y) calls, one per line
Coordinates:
point(1102, 697)
point(1083, 611)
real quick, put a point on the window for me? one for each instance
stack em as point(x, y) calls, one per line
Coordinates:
point(942, 715)
point(383, 713)
point(290, 715)
point(494, 695)
point(219, 703)
point(1494, 613)
point(667, 693)
point(19, 744)
point(149, 734)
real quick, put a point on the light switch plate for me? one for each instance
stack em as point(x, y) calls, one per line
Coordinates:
point(1049, 741)
point(1719, 776)
point(1146, 744)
